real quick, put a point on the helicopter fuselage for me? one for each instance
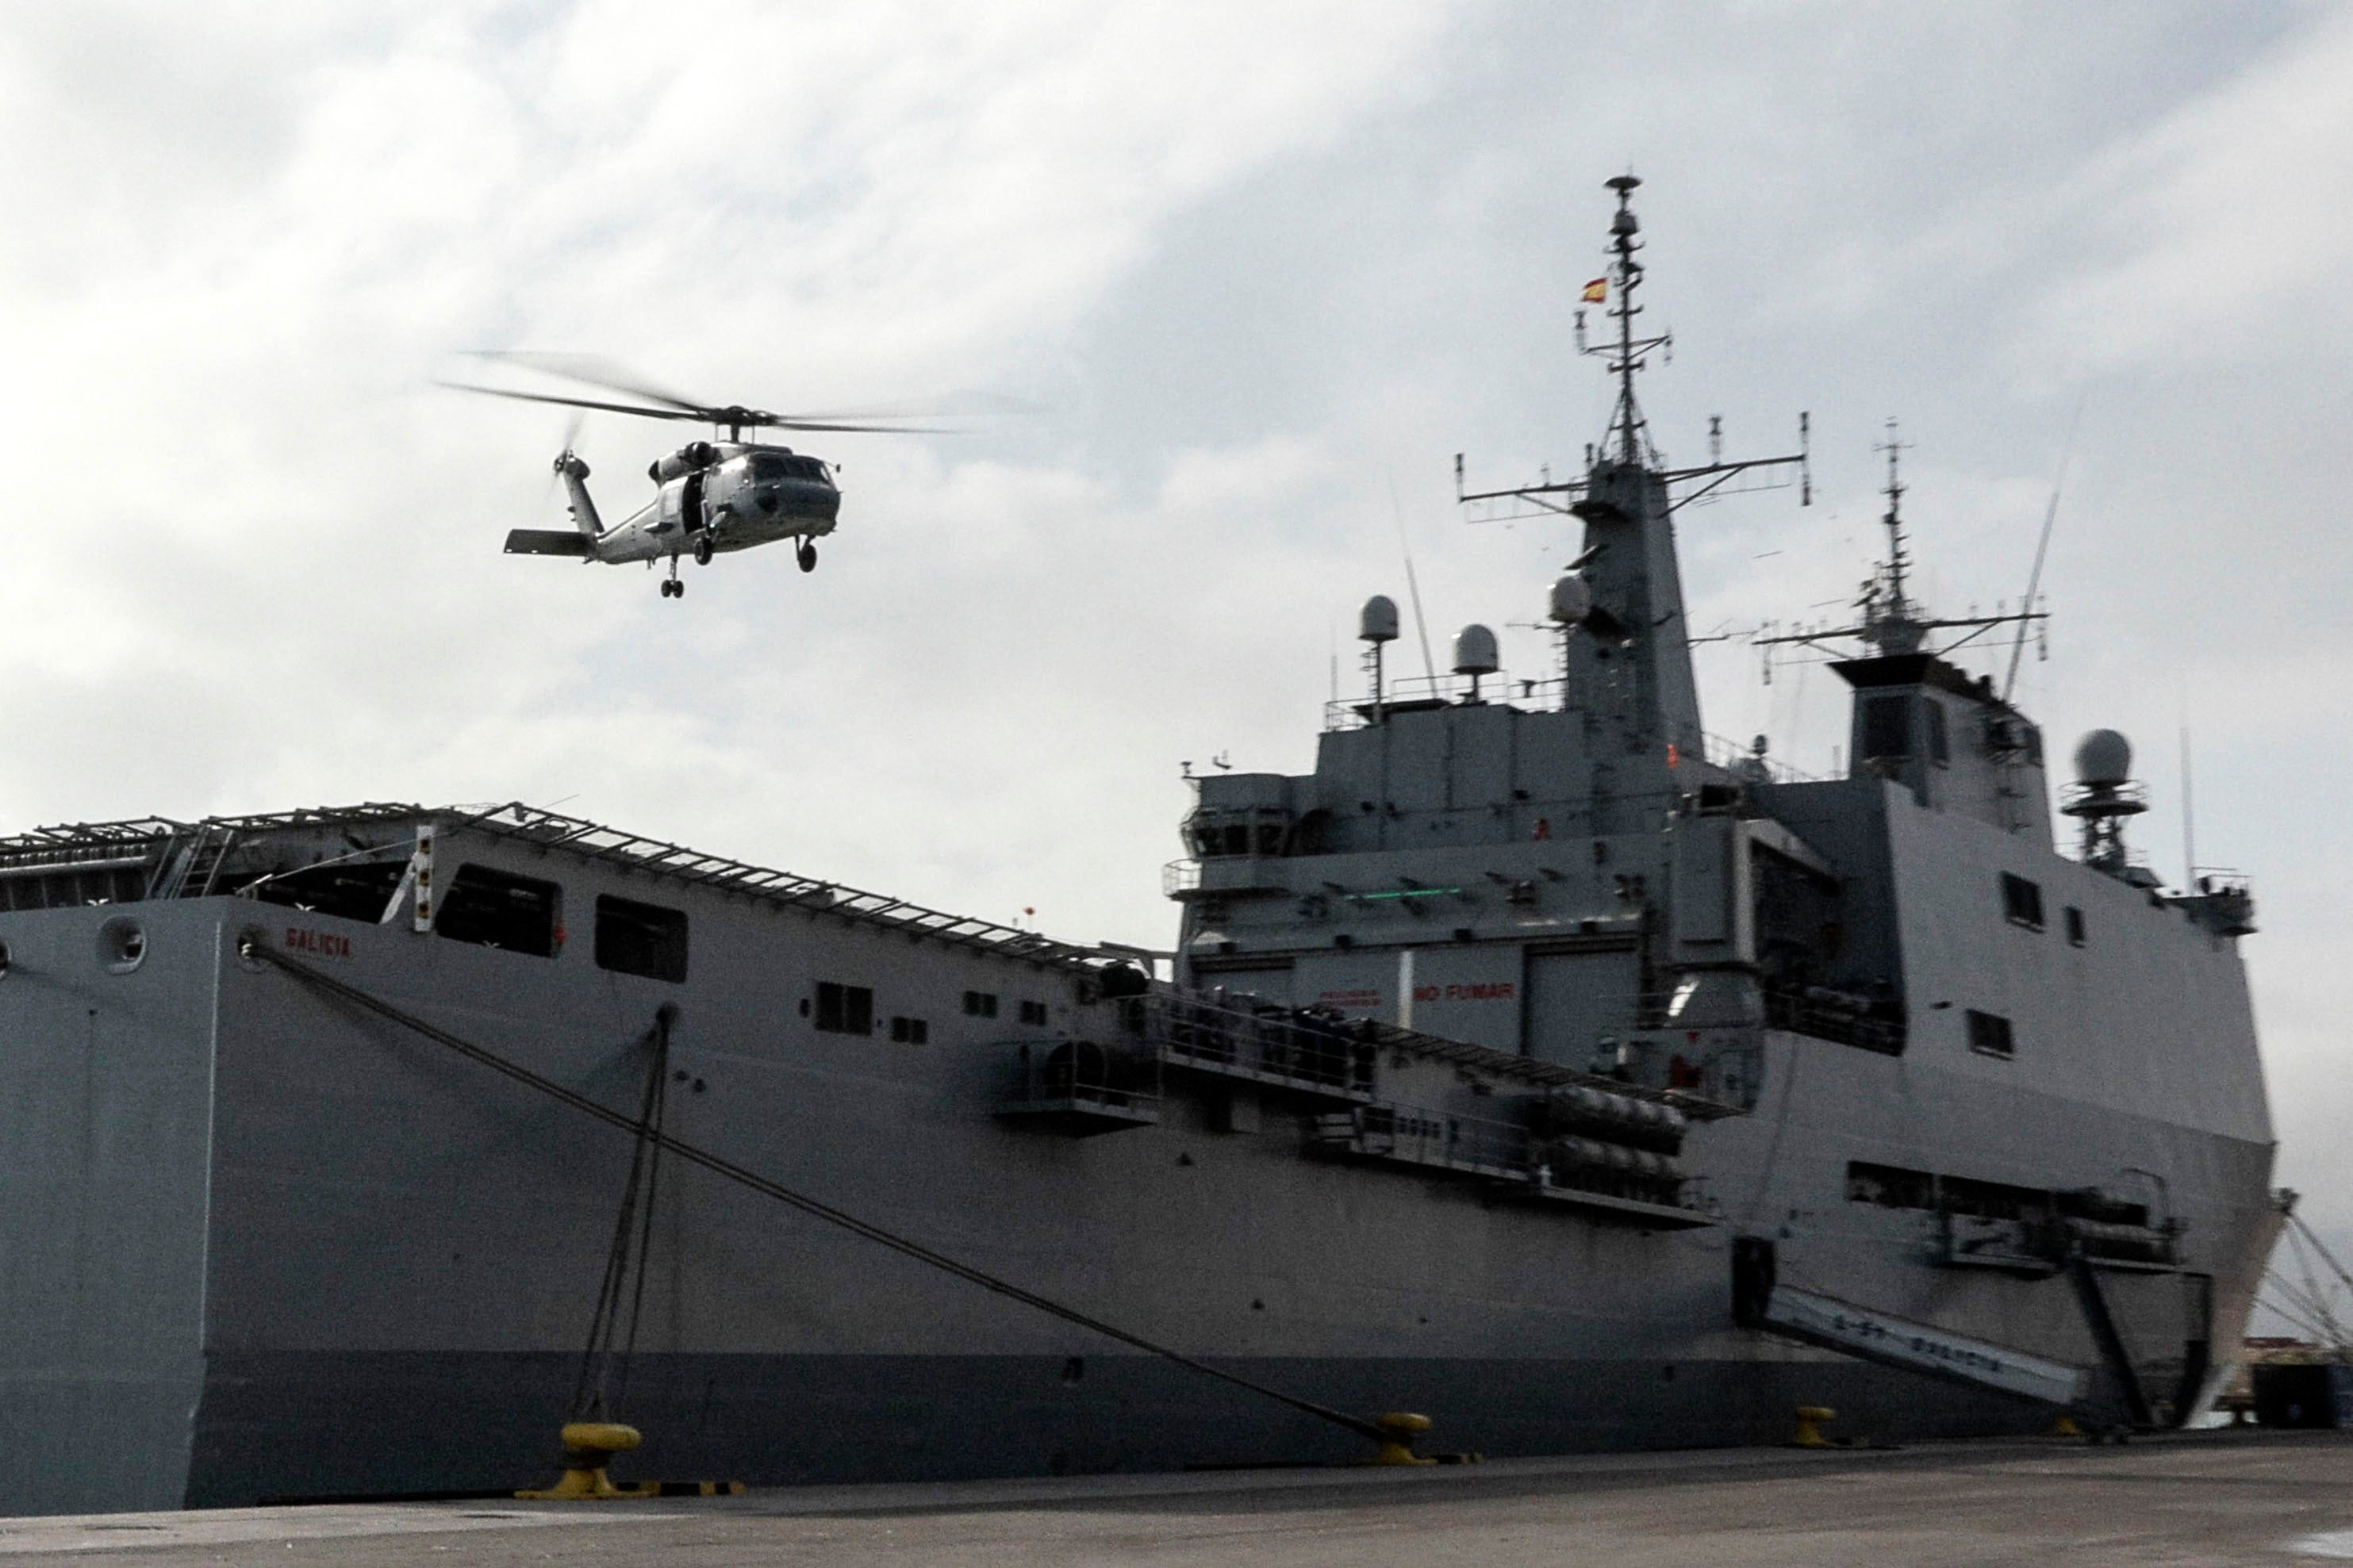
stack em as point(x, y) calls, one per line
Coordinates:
point(744, 496)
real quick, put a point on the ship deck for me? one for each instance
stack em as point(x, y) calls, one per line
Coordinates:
point(2227, 1496)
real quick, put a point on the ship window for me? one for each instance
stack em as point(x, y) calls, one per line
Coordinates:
point(1890, 1186)
point(1990, 1034)
point(1887, 726)
point(640, 939)
point(910, 1031)
point(2076, 936)
point(845, 1009)
point(1940, 745)
point(1033, 1013)
point(353, 892)
point(491, 909)
point(981, 1004)
point(2022, 901)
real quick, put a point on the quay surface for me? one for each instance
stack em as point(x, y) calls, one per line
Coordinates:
point(2210, 1497)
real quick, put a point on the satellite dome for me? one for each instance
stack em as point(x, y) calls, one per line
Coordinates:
point(1572, 601)
point(2104, 757)
point(1377, 621)
point(1474, 651)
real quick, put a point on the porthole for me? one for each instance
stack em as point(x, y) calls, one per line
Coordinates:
point(121, 945)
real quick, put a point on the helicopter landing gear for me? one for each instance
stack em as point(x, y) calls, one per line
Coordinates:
point(806, 556)
point(702, 548)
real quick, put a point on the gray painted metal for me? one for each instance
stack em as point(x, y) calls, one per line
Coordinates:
point(257, 1245)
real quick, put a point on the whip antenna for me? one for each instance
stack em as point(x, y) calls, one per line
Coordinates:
point(1413, 588)
point(2042, 545)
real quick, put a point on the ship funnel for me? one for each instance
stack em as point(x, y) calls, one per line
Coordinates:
point(1572, 601)
point(1474, 651)
point(2104, 757)
point(1377, 621)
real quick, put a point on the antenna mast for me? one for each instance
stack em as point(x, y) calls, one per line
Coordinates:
point(1628, 443)
point(1887, 619)
point(1891, 623)
point(1626, 420)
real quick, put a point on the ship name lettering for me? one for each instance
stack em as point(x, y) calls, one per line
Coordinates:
point(324, 943)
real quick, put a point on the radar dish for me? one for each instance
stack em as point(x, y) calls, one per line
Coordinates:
point(2104, 757)
point(1474, 651)
point(1572, 601)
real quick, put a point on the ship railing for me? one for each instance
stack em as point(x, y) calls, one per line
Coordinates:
point(1823, 1014)
point(1080, 1086)
point(1419, 691)
point(1215, 1031)
point(1179, 876)
point(1260, 1042)
point(1747, 762)
point(547, 829)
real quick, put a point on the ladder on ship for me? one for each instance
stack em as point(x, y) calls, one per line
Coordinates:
point(189, 870)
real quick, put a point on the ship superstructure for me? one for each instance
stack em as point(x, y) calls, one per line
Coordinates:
point(1536, 1062)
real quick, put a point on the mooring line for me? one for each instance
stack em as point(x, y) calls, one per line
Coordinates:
point(252, 946)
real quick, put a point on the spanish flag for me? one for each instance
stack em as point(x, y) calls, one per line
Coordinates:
point(1596, 291)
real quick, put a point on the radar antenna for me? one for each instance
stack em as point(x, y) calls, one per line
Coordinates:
point(1892, 623)
point(1626, 423)
point(1628, 444)
point(1887, 622)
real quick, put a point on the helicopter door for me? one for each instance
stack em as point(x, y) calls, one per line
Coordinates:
point(690, 502)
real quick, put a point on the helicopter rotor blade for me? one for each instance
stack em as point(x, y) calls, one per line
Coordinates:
point(697, 414)
point(570, 438)
point(777, 422)
point(594, 370)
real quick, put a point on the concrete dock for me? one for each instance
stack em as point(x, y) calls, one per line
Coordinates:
point(2223, 1497)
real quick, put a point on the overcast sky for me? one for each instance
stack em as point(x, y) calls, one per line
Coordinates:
point(1267, 268)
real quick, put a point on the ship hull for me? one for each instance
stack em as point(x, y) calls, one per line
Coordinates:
point(267, 1246)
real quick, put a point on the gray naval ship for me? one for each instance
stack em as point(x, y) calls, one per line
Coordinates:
point(1535, 1064)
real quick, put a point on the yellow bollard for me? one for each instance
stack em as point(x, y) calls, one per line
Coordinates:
point(2065, 1427)
point(1398, 1429)
point(1809, 1430)
point(589, 1448)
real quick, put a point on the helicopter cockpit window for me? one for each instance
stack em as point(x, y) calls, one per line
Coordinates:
point(770, 466)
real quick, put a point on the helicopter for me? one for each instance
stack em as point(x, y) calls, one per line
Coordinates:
point(711, 496)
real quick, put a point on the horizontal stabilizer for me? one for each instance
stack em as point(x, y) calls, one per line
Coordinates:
point(546, 541)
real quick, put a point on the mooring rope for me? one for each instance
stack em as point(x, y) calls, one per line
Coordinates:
point(598, 1395)
point(252, 946)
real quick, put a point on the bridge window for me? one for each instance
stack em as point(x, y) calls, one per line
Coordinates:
point(1034, 1013)
point(981, 1004)
point(491, 909)
point(1990, 1036)
point(2022, 901)
point(845, 1009)
point(640, 939)
point(910, 1031)
point(2075, 933)
point(1887, 726)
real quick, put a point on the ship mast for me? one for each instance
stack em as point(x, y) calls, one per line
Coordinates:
point(1891, 623)
point(1887, 621)
point(1634, 448)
